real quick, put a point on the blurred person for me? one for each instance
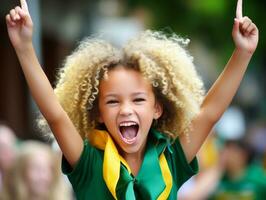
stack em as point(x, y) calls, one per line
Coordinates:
point(35, 175)
point(233, 177)
point(203, 183)
point(257, 138)
point(240, 177)
point(7, 150)
point(232, 124)
point(57, 150)
point(264, 161)
point(130, 122)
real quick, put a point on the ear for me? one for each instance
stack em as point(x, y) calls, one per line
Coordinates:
point(158, 110)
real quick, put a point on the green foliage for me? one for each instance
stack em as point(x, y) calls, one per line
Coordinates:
point(208, 20)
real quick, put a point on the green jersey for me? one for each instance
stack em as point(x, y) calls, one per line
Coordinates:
point(88, 182)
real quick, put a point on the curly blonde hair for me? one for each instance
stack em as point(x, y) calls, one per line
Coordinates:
point(162, 60)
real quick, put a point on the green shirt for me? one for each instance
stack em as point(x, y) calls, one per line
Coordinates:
point(87, 177)
point(250, 186)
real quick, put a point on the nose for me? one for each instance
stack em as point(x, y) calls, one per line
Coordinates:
point(126, 109)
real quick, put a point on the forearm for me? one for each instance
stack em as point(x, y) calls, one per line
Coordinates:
point(245, 35)
point(43, 94)
point(20, 29)
point(223, 90)
point(38, 83)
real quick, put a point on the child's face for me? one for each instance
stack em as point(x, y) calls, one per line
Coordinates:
point(39, 174)
point(7, 149)
point(127, 107)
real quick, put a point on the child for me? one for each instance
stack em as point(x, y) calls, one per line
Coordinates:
point(8, 152)
point(35, 175)
point(239, 176)
point(133, 108)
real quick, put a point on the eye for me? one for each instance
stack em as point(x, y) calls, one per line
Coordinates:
point(138, 100)
point(111, 102)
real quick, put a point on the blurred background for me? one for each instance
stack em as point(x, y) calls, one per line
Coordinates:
point(61, 24)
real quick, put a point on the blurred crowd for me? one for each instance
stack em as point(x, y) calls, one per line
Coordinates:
point(30, 170)
point(232, 162)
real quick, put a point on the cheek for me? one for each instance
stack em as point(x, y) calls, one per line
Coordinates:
point(6, 158)
point(103, 112)
point(146, 110)
point(40, 175)
point(146, 115)
point(106, 113)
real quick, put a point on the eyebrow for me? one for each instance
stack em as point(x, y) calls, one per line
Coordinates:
point(133, 94)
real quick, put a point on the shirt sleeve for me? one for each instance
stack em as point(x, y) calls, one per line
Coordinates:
point(181, 169)
point(82, 170)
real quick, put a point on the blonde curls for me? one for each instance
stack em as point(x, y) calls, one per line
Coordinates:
point(169, 67)
point(162, 60)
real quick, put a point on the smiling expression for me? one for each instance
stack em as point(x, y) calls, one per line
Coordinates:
point(127, 107)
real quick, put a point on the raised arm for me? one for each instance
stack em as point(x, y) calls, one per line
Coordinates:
point(245, 36)
point(20, 28)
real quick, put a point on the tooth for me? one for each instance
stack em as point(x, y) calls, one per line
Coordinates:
point(128, 123)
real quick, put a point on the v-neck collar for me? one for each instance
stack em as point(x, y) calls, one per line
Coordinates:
point(154, 177)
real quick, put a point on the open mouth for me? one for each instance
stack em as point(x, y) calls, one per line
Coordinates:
point(129, 131)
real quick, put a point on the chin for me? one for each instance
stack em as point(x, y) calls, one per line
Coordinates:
point(132, 148)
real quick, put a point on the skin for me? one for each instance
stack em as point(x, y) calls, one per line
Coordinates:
point(7, 149)
point(218, 98)
point(235, 160)
point(39, 175)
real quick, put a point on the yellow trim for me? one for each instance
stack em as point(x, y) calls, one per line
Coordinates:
point(112, 159)
point(167, 177)
point(111, 166)
point(103, 141)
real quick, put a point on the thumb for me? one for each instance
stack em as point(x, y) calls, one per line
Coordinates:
point(236, 27)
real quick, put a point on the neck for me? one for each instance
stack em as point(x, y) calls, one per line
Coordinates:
point(134, 163)
point(134, 160)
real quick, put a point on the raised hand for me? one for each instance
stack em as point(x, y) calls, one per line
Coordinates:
point(19, 25)
point(245, 32)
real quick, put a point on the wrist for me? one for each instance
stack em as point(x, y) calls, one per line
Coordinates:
point(243, 53)
point(24, 49)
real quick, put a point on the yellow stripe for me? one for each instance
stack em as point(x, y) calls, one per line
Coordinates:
point(111, 166)
point(167, 177)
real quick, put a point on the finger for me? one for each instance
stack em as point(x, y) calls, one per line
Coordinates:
point(24, 5)
point(18, 9)
point(13, 14)
point(245, 24)
point(239, 9)
point(255, 30)
point(9, 21)
point(245, 19)
point(24, 15)
point(251, 28)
